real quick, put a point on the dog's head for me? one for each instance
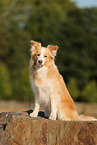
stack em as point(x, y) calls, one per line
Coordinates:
point(41, 56)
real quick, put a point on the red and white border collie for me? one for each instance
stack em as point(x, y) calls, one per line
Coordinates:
point(49, 87)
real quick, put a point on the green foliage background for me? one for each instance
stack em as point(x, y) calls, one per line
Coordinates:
point(62, 23)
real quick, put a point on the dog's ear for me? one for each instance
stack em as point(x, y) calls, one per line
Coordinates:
point(53, 50)
point(35, 44)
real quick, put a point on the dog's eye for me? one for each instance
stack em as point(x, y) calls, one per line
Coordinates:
point(45, 56)
point(38, 54)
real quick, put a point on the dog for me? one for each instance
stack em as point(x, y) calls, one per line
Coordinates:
point(49, 87)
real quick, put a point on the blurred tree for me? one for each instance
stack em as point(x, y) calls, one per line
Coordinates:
point(14, 49)
point(46, 18)
point(5, 83)
point(78, 46)
point(90, 92)
point(73, 89)
point(25, 91)
point(91, 22)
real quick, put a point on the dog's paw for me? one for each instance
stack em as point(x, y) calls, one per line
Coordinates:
point(52, 117)
point(33, 114)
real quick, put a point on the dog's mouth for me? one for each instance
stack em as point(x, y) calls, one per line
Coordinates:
point(39, 65)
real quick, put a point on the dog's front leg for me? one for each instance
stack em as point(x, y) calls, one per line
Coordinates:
point(36, 109)
point(53, 109)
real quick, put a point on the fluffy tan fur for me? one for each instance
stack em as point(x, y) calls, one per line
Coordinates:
point(49, 87)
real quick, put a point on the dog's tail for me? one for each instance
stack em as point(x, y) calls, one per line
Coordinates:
point(87, 118)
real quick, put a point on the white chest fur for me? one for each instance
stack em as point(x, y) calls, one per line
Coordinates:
point(42, 72)
point(43, 91)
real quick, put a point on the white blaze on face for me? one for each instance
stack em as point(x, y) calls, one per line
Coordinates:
point(41, 59)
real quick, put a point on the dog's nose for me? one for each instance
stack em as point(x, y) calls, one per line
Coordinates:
point(40, 61)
